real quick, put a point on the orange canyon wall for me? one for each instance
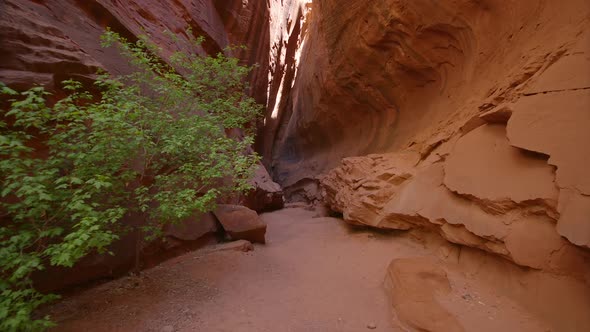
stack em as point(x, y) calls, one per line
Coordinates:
point(467, 118)
point(44, 42)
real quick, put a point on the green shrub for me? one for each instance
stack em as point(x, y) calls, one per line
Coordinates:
point(152, 144)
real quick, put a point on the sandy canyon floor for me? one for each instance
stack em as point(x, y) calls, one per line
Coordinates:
point(314, 274)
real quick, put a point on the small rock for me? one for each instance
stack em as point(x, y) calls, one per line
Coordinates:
point(168, 328)
point(371, 326)
point(239, 245)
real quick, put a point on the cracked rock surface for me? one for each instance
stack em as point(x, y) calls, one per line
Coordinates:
point(508, 171)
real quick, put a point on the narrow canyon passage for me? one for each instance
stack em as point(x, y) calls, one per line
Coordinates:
point(314, 274)
point(449, 137)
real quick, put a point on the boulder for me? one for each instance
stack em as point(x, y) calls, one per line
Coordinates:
point(413, 284)
point(193, 232)
point(428, 296)
point(241, 223)
point(192, 228)
point(267, 195)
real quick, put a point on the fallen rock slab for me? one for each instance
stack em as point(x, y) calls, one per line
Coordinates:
point(499, 215)
point(413, 284)
point(431, 296)
point(484, 165)
point(574, 223)
point(267, 195)
point(241, 223)
point(192, 228)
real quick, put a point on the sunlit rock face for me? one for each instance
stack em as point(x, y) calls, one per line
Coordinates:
point(477, 115)
point(383, 75)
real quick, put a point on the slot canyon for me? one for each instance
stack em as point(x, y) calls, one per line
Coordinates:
point(425, 166)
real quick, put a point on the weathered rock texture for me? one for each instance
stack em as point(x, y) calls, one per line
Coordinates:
point(379, 76)
point(414, 285)
point(476, 292)
point(266, 195)
point(241, 223)
point(475, 190)
point(483, 109)
point(471, 117)
point(45, 42)
point(194, 232)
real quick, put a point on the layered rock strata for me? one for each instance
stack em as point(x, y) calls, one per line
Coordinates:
point(45, 42)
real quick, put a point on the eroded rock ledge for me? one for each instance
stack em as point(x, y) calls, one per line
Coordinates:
point(379, 76)
point(512, 181)
point(470, 119)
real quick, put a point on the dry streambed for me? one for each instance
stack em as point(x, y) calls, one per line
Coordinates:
point(318, 274)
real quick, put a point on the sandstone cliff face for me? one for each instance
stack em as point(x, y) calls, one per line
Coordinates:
point(378, 76)
point(466, 118)
point(485, 109)
point(46, 42)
